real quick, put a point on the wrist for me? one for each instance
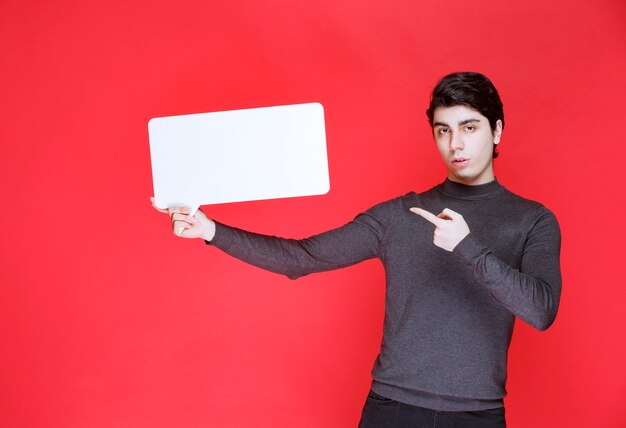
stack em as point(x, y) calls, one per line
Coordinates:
point(210, 232)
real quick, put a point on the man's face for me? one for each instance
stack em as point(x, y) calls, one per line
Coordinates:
point(465, 142)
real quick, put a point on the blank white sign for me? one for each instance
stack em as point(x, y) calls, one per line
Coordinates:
point(239, 155)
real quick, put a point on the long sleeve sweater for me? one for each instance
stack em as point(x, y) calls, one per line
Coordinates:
point(449, 316)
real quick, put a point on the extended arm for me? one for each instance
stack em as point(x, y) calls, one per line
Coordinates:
point(356, 241)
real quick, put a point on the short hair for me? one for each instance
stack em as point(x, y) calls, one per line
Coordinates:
point(470, 89)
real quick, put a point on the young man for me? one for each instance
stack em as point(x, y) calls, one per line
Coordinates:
point(462, 260)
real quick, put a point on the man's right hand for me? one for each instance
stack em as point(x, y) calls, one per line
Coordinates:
point(186, 225)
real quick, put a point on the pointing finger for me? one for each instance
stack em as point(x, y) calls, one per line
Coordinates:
point(428, 216)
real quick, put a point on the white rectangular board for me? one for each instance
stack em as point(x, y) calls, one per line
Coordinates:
point(239, 155)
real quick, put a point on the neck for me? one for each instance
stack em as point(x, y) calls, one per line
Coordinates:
point(472, 181)
point(459, 190)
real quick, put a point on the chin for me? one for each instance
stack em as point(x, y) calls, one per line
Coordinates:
point(463, 177)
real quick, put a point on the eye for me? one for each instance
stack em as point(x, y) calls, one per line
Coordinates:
point(470, 128)
point(442, 131)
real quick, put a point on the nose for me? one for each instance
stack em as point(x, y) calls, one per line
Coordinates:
point(456, 142)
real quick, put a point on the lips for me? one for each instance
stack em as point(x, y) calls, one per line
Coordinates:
point(459, 161)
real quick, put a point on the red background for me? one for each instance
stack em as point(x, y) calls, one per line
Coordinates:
point(107, 320)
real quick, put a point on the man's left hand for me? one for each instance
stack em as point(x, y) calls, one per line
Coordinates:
point(450, 227)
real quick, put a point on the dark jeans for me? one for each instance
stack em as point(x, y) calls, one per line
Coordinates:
point(381, 412)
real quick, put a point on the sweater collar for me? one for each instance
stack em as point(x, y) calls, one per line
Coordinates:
point(463, 191)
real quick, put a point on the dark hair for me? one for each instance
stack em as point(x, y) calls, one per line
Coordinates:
point(470, 89)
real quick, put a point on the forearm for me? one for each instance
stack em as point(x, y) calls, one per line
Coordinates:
point(294, 258)
point(533, 297)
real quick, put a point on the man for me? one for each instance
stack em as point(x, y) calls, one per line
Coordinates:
point(462, 260)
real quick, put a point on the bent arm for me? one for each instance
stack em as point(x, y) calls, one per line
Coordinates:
point(532, 293)
point(354, 242)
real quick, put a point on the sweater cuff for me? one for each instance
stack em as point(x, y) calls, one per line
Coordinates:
point(469, 249)
point(220, 239)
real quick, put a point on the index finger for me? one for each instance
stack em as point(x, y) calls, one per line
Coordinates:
point(181, 209)
point(428, 216)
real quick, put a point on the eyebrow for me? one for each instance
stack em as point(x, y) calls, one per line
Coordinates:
point(463, 122)
point(466, 121)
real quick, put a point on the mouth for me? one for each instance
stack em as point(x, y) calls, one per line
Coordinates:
point(459, 161)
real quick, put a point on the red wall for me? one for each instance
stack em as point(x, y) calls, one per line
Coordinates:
point(107, 320)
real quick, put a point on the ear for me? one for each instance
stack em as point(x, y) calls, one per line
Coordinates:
point(497, 133)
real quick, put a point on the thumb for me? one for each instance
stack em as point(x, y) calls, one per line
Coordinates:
point(161, 210)
point(447, 213)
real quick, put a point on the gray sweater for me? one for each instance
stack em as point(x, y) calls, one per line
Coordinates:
point(449, 316)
